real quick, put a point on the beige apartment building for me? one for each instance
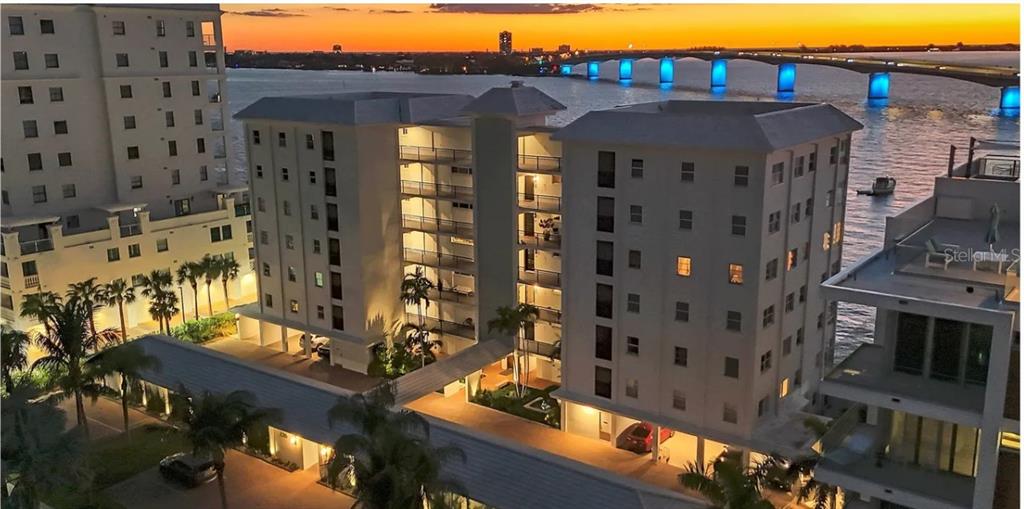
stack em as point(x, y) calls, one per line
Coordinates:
point(114, 156)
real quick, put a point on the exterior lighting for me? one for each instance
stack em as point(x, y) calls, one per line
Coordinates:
point(293, 439)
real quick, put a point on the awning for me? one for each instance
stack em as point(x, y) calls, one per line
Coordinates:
point(252, 310)
point(17, 221)
point(111, 208)
point(435, 376)
point(230, 188)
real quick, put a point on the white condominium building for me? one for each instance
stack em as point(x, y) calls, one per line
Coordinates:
point(934, 408)
point(114, 157)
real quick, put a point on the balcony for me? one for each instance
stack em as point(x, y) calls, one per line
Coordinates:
point(435, 190)
point(36, 246)
point(32, 281)
point(540, 164)
point(453, 295)
point(131, 230)
point(545, 278)
point(243, 209)
point(550, 315)
point(215, 97)
point(437, 326)
point(549, 350)
point(544, 240)
point(540, 202)
point(439, 260)
point(435, 155)
point(437, 225)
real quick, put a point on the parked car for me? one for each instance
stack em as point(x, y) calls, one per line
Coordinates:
point(637, 437)
point(324, 351)
point(187, 469)
point(317, 341)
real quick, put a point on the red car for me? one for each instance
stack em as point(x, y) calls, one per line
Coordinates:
point(637, 437)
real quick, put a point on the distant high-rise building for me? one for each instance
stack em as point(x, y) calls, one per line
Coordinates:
point(564, 48)
point(505, 42)
point(336, 48)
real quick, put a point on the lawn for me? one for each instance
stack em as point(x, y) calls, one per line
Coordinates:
point(115, 459)
point(504, 399)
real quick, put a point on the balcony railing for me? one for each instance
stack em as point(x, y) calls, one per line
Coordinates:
point(452, 295)
point(549, 314)
point(435, 155)
point(549, 350)
point(36, 246)
point(243, 209)
point(541, 240)
point(32, 281)
point(433, 224)
point(440, 260)
point(540, 202)
point(540, 277)
point(540, 164)
point(437, 326)
point(131, 230)
point(215, 97)
point(435, 190)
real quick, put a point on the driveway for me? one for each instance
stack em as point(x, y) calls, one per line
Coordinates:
point(250, 483)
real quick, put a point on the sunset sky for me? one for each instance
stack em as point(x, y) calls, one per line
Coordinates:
point(423, 27)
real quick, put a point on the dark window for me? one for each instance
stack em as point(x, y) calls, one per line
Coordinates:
point(195, 88)
point(604, 301)
point(126, 91)
point(334, 251)
point(634, 259)
point(60, 127)
point(682, 311)
point(680, 356)
point(739, 225)
point(201, 146)
point(113, 254)
point(732, 367)
point(122, 59)
point(64, 159)
point(166, 88)
point(30, 128)
point(606, 169)
point(632, 345)
point(56, 94)
point(133, 152)
point(946, 348)
point(309, 141)
point(602, 382)
point(193, 59)
point(282, 140)
point(603, 342)
point(979, 344)
point(35, 161)
point(118, 27)
point(255, 137)
point(38, 194)
point(163, 58)
point(336, 292)
point(605, 214)
point(190, 29)
point(605, 258)
point(51, 60)
point(685, 219)
point(633, 302)
point(741, 176)
point(636, 214)
point(172, 147)
point(332, 217)
point(337, 317)
point(16, 25)
point(330, 182)
point(25, 95)
point(687, 172)
point(911, 335)
point(636, 168)
point(733, 320)
point(327, 145)
point(20, 60)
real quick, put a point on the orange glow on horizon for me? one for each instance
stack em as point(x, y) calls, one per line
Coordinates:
point(397, 27)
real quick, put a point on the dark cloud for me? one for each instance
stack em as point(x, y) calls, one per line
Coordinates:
point(389, 11)
point(342, 9)
point(515, 8)
point(269, 13)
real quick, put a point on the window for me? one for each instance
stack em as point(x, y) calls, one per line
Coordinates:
point(636, 214)
point(204, 173)
point(678, 400)
point(766, 361)
point(632, 345)
point(289, 241)
point(733, 320)
point(4, 198)
point(113, 254)
point(200, 145)
point(264, 237)
point(51, 60)
point(729, 413)
point(60, 127)
point(69, 191)
point(739, 225)
point(286, 207)
point(30, 128)
point(685, 219)
point(634, 259)
point(680, 356)
point(633, 388)
point(121, 59)
point(172, 146)
point(803, 293)
point(732, 367)
point(312, 176)
point(16, 25)
point(162, 56)
point(774, 221)
point(35, 161)
point(606, 169)
point(190, 29)
point(20, 61)
point(330, 182)
point(309, 142)
point(314, 213)
point(337, 317)
point(603, 342)
point(166, 88)
point(794, 214)
point(833, 155)
point(683, 266)
point(633, 302)
point(136, 182)
point(282, 140)
point(327, 146)
point(777, 173)
point(686, 172)
point(800, 336)
point(133, 153)
point(605, 214)
point(735, 274)
point(193, 59)
point(259, 171)
point(636, 169)
point(25, 95)
point(291, 274)
point(268, 300)
point(787, 345)
point(812, 161)
point(118, 27)
point(134, 251)
point(602, 382)
point(38, 194)
point(682, 311)
point(126, 91)
point(161, 28)
point(161, 245)
point(320, 312)
point(790, 302)
point(762, 406)
point(771, 269)
point(284, 174)
point(768, 316)
point(266, 269)
point(605, 258)
point(175, 177)
point(195, 88)
point(741, 176)
point(791, 259)
point(318, 279)
point(826, 241)
point(316, 247)
point(293, 305)
point(829, 198)
point(64, 158)
point(56, 94)
point(29, 268)
point(604, 301)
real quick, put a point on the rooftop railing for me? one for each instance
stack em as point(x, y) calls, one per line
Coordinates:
point(131, 230)
point(36, 246)
point(435, 155)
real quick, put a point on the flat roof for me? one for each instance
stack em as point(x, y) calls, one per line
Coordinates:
point(357, 108)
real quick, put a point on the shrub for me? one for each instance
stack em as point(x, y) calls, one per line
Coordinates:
point(204, 329)
point(258, 439)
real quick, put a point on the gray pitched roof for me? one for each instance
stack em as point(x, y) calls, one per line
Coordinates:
point(428, 379)
point(711, 125)
point(516, 100)
point(357, 108)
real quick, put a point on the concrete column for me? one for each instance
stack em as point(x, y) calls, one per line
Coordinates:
point(114, 225)
point(872, 417)
point(625, 69)
point(700, 452)
point(666, 70)
point(307, 347)
point(1009, 101)
point(992, 418)
point(593, 70)
point(655, 443)
point(284, 339)
point(787, 78)
point(56, 232)
point(12, 244)
point(878, 85)
point(719, 70)
point(144, 220)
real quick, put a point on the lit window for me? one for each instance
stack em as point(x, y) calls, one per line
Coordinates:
point(826, 241)
point(319, 279)
point(683, 266)
point(735, 274)
point(791, 258)
point(294, 306)
point(837, 233)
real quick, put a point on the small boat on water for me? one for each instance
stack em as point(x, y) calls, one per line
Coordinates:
point(883, 186)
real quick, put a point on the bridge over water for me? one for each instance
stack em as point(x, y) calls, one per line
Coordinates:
point(877, 69)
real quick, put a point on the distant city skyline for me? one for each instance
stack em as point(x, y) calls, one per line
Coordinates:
point(474, 27)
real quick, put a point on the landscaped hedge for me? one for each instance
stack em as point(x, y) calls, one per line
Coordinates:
point(204, 329)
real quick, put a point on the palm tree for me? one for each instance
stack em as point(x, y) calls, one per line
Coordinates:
point(228, 269)
point(118, 293)
point(214, 423)
point(802, 470)
point(39, 306)
point(129, 362)
point(391, 458)
point(417, 339)
point(728, 484)
point(415, 290)
point(90, 295)
point(190, 272)
point(13, 355)
point(67, 344)
point(210, 270)
point(509, 322)
point(163, 303)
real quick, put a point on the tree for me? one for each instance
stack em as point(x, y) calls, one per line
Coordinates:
point(213, 423)
point(801, 470)
point(391, 459)
point(228, 269)
point(39, 306)
point(128, 361)
point(190, 272)
point(210, 270)
point(14, 351)
point(415, 291)
point(67, 344)
point(118, 293)
point(510, 321)
point(728, 484)
point(163, 303)
point(417, 340)
point(90, 295)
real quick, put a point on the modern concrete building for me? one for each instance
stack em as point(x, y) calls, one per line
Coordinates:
point(114, 157)
point(934, 417)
